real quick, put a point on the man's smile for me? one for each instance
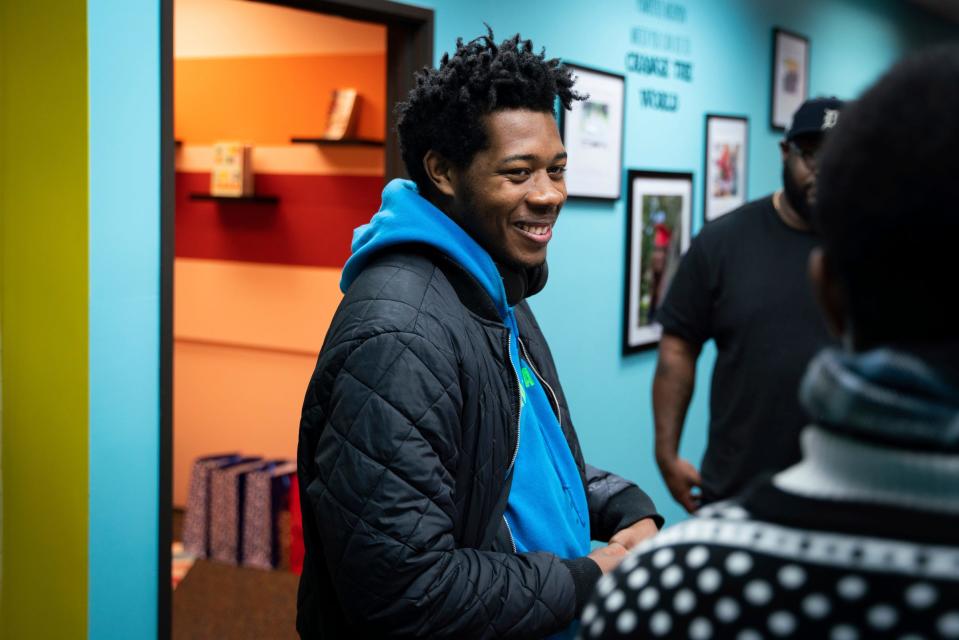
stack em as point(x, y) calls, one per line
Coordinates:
point(537, 232)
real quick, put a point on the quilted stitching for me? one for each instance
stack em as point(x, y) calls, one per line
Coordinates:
point(403, 370)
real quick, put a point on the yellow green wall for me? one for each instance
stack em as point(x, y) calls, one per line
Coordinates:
point(43, 317)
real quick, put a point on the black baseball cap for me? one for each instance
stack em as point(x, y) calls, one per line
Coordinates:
point(815, 116)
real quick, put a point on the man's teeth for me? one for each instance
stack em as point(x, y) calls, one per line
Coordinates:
point(536, 230)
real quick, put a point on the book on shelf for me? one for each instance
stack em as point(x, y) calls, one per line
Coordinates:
point(341, 120)
point(232, 173)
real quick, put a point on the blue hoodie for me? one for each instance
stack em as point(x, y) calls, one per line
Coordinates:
point(547, 508)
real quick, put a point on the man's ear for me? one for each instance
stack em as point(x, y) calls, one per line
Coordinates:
point(783, 150)
point(440, 172)
point(828, 291)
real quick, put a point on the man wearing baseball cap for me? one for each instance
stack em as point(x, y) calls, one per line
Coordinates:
point(743, 284)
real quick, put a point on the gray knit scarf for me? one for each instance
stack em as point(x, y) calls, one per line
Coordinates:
point(885, 394)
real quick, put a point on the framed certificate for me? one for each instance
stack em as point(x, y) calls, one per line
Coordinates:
point(593, 134)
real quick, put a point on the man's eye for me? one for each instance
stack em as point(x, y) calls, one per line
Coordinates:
point(517, 173)
point(558, 170)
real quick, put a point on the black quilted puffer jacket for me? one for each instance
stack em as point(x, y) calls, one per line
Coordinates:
point(408, 433)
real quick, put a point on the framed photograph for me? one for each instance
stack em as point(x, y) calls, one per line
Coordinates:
point(658, 218)
point(790, 76)
point(593, 134)
point(726, 164)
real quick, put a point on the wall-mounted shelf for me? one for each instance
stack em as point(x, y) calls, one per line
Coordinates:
point(346, 142)
point(249, 199)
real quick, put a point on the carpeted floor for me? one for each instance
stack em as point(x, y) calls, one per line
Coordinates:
point(221, 601)
point(214, 600)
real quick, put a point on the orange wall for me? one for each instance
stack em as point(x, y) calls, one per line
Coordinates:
point(268, 100)
point(234, 399)
point(228, 28)
point(261, 306)
point(292, 159)
point(247, 335)
point(246, 339)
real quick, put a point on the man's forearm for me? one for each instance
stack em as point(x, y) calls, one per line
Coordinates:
point(672, 390)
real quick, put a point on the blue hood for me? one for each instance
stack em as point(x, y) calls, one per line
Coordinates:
point(406, 217)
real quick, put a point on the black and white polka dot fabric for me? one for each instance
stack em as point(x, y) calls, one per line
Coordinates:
point(728, 575)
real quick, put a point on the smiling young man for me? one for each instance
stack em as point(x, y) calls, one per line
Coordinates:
point(445, 492)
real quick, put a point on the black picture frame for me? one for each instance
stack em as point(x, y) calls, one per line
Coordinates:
point(781, 104)
point(600, 178)
point(640, 331)
point(711, 208)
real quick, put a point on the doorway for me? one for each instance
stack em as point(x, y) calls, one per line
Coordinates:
point(237, 272)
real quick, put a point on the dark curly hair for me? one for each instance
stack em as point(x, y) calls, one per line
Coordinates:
point(887, 203)
point(443, 111)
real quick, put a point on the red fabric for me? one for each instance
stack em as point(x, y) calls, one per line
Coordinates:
point(296, 529)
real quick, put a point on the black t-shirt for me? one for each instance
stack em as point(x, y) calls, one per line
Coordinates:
point(744, 284)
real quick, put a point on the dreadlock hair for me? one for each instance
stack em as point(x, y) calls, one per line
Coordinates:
point(443, 112)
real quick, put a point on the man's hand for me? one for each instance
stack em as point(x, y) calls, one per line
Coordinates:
point(672, 391)
point(681, 477)
point(608, 557)
point(635, 533)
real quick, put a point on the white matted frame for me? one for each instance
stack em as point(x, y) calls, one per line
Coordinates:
point(658, 220)
point(726, 164)
point(790, 83)
point(593, 134)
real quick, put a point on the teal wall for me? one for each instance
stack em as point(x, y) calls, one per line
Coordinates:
point(581, 310)
point(124, 316)
point(852, 42)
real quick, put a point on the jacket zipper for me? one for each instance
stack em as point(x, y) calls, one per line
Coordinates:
point(559, 411)
point(510, 532)
point(519, 399)
point(519, 404)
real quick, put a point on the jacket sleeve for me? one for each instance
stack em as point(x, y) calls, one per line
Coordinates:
point(383, 499)
point(615, 503)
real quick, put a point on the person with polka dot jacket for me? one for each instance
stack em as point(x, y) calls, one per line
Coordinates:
point(860, 539)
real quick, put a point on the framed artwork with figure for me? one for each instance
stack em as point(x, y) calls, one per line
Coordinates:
point(658, 220)
point(726, 164)
point(790, 86)
point(593, 134)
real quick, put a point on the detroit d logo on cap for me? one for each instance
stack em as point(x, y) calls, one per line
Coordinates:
point(830, 118)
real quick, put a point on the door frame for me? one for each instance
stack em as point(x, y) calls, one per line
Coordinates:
point(409, 48)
